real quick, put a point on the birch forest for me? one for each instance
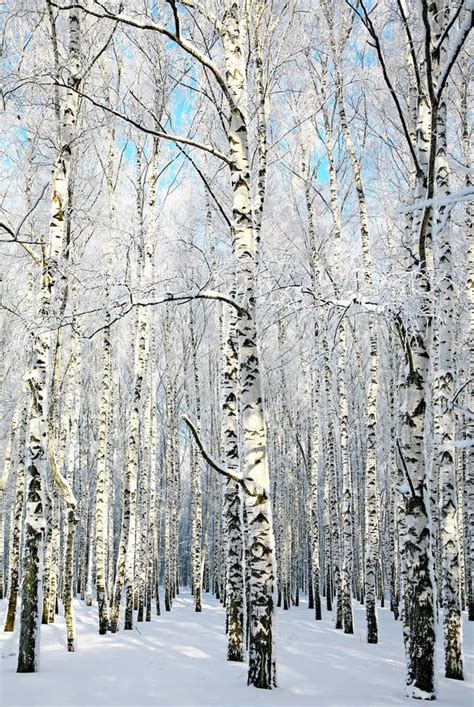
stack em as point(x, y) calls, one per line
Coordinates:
point(237, 363)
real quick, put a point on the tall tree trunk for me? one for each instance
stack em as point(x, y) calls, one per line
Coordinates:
point(196, 492)
point(101, 501)
point(16, 535)
point(469, 227)
point(444, 421)
point(419, 596)
point(7, 464)
point(255, 462)
point(232, 500)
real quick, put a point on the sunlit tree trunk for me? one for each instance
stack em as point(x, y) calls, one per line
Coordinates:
point(255, 463)
point(232, 499)
point(101, 501)
point(196, 492)
point(469, 227)
point(169, 470)
point(7, 465)
point(38, 439)
point(315, 404)
point(346, 509)
point(419, 593)
point(16, 534)
point(443, 394)
point(371, 494)
point(73, 408)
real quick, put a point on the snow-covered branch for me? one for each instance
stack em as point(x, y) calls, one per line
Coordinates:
point(187, 46)
point(151, 131)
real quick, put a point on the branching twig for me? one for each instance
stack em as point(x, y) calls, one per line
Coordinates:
point(22, 244)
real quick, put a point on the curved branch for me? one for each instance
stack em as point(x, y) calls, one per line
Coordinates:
point(460, 39)
point(150, 131)
point(405, 469)
point(61, 482)
point(22, 244)
point(411, 45)
point(152, 26)
point(369, 25)
point(127, 306)
point(249, 487)
point(207, 457)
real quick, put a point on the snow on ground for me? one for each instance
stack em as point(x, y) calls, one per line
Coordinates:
point(179, 659)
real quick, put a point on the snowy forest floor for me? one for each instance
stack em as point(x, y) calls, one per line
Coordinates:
point(179, 659)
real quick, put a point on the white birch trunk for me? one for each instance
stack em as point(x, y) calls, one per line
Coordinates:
point(16, 535)
point(196, 492)
point(255, 463)
point(7, 464)
point(419, 593)
point(443, 394)
point(101, 500)
point(232, 499)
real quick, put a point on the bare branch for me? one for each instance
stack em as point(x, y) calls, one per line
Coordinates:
point(151, 131)
point(369, 25)
point(178, 297)
point(22, 244)
point(459, 41)
point(411, 45)
point(405, 469)
point(207, 457)
point(154, 27)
